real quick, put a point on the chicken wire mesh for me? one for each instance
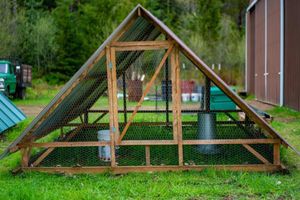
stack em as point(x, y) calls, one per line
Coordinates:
point(202, 119)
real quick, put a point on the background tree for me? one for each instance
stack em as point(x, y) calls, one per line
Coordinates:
point(58, 36)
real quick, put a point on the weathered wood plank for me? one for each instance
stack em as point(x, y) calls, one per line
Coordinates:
point(146, 142)
point(174, 95)
point(126, 169)
point(141, 45)
point(231, 141)
point(178, 82)
point(152, 142)
point(276, 154)
point(110, 90)
point(68, 144)
point(25, 153)
point(147, 152)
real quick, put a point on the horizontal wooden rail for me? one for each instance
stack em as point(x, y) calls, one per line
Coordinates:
point(153, 123)
point(66, 144)
point(141, 45)
point(127, 169)
point(231, 141)
point(146, 142)
point(152, 142)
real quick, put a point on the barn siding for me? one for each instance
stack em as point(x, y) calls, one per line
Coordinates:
point(273, 52)
point(292, 54)
point(259, 46)
point(251, 51)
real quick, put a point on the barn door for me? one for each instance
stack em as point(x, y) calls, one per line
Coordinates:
point(260, 82)
point(273, 52)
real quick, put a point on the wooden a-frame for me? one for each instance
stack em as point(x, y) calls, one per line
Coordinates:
point(173, 46)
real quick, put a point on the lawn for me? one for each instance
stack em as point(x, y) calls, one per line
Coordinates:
point(207, 184)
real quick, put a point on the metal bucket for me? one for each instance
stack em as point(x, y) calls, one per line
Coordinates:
point(104, 151)
point(207, 131)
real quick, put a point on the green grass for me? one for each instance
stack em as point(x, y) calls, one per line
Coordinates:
point(207, 184)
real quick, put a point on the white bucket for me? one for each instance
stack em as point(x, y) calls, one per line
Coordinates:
point(104, 151)
point(185, 97)
point(195, 97)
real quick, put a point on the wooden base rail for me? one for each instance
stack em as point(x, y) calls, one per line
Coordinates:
point(152, 142)
point(127, 169)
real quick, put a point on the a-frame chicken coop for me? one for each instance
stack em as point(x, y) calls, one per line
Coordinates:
point(126, 110)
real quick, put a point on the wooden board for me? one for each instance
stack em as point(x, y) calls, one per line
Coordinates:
point(110, 90)
point(276, 154)
point(141, 45)
point(122, 170)
point(147, 152)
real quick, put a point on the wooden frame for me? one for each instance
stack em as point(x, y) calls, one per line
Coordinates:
point(173, 45)
point(122, 170)
point(112, 98)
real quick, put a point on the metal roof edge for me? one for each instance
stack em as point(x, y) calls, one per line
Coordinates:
point(251, 5)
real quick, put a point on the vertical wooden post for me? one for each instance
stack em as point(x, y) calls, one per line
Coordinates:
point(174, 95)
point(176, 102)
point(112, 98)
point(25, 153)
point(147, 150)
point(276, 154)
point(114, 94)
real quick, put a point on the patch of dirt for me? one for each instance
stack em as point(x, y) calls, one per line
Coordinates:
point(260, 105)
point(31, 111)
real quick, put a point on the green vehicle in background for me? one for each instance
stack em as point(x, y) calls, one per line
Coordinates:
point(14, 79)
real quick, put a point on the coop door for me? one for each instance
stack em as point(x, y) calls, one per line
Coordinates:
point(144, 91)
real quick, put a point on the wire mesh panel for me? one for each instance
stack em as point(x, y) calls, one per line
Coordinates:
point(73, 157)
point(229, 154)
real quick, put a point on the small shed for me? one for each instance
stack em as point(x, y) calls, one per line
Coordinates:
point(90, 126)
point(10, 115)
point(272, 66)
